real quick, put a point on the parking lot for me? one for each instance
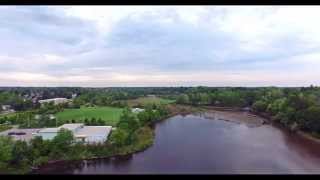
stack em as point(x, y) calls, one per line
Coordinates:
point(20, 134)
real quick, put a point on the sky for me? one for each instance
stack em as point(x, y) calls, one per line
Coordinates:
point(103, 46)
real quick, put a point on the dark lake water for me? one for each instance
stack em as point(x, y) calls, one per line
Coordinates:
point(196, 144)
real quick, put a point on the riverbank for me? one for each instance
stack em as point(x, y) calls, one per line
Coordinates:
point(146, 134)
point(266, 119)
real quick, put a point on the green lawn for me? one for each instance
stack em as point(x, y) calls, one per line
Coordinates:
point(149, 100)
point(110, 115)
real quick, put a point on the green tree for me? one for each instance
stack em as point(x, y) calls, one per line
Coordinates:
point(86, 121)
point(6, 149)
point(61, 144)
point(128, 121)
point(93, 121)
point(100, 122)
point(310, 120)
point(259, 106)
point(276, 106)
point(20, 153)
point(119, 137)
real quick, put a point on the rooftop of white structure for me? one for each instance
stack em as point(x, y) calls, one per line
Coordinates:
point(53, 99)
point(93, 131)
point(49, 130)
point(72, 126)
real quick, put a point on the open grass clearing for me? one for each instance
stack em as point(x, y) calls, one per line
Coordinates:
point(111, 115)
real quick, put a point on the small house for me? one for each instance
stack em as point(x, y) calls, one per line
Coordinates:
point(137, 110)
point(6, 107)
point(55, 101)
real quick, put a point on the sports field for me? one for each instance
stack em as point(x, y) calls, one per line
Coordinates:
point(110, 115)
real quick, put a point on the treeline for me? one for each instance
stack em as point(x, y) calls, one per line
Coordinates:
point(16, 101)
point(296, 108)
point(26, 98)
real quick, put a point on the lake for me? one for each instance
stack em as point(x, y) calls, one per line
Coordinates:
point(210, 143)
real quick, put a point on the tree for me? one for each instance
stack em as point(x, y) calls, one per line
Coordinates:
point(276, 106)
point(93, 121)
point(6, 148)
point(119, 137)
point(20, 152)
point(183, 99)
point(46, 121)
point(61, 143)
point(259, 106)
point(86, 121)
point(128, 121)
point(310, 121)
point(143, 117)
point(101, 122)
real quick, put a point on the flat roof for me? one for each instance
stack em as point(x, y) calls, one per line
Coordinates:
point(72, 126)
point(53, 99)
point(93, 131)
point(49, 130)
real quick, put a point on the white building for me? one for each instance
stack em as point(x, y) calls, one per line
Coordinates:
point(55, 100)
point(136, 110)
point(5, 107)
point(88, 134)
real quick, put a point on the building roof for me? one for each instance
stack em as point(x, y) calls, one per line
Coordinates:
point(49, 130)
point(72, 127)
point(137, 110)
point(93, 131)
point(53, 99)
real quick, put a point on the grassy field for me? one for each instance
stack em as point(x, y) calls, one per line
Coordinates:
point(149, 100)
point(110, 115)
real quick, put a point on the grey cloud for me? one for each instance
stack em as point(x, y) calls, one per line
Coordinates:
point(142, 45)
point(42, 29)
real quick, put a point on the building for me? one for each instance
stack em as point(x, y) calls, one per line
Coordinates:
point(136, 110)
point(93, 134)
point(74, 96)
point(48, 133)
point(55, 100)
point(87, 134)
point(6, 107)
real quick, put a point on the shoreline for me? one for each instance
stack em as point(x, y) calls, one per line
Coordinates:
point(179, 110)
point(266, 117)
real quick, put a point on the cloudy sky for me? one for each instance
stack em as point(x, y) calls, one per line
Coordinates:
point(159, 46)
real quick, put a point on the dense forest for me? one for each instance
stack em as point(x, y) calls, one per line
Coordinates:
point(296, 108)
